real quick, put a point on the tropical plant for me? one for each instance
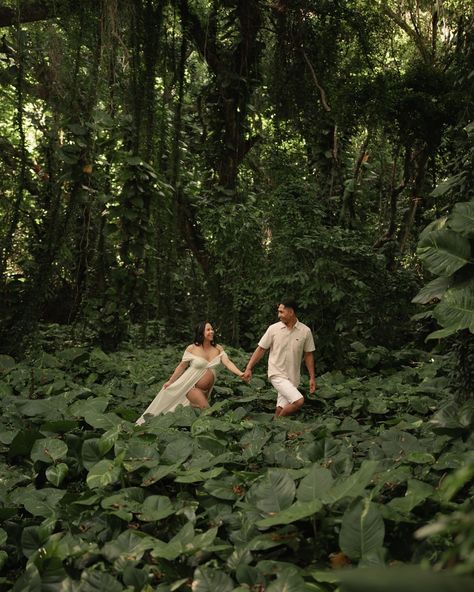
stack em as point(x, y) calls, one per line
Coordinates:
point(446, 248)
point(228, 499)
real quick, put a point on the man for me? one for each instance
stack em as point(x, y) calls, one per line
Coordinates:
point(288, 341)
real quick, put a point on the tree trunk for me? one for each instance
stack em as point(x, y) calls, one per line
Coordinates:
point(420, 160)
point(347, 215)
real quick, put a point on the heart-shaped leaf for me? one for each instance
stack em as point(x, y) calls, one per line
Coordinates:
point(362, 530)
point(56, 474)
point(48, 450)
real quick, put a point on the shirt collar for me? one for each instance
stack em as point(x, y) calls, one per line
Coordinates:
point(297, 325)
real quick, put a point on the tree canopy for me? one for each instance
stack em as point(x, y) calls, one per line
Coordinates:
point(164, 161)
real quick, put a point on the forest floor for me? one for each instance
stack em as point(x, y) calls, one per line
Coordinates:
point(375, 472)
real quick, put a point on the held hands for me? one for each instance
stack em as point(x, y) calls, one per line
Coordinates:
point(312, 385)
point(245, 377)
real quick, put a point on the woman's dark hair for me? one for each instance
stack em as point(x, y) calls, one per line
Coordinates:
point(199, 333)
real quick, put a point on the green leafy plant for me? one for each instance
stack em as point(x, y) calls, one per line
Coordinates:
point(446, 249)
point(227, 497)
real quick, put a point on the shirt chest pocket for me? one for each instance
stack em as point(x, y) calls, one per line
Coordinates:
point(297, 344)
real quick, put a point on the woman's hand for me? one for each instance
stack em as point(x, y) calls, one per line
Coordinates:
point(167, 384)
point(247, 375)
point(244, 376)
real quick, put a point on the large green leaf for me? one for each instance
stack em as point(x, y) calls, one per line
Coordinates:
point(352, 486)
point(273, 493)
point(438, 224)
point(33, 538)
point(48, 450)
point(362, 530)
point(443, 251)
point(456, 309)
point(433, 290)
point(178, 450)
point(135, 578)
point(287, 581)
point(254, 441)
point(297, 511)
point(207, 579)
point(51, 408)
point(140, 454)
point(185, 542)
point(441, 333)
point(316, 483)
point(91, 452)
point(156, 507)
point(457, 480)
point(416, 493)
point(56, 474)
point(227, 488)
point(129, 543)
point(158, 473)
point(42, 502)
point(448, 185)
point(91, 405)
point(104, 421)
point(124, 503)
point(196, 475)
point(461, 219)
point(201, 541)
point(452, 418)
point(103, 473)
point(97, 581)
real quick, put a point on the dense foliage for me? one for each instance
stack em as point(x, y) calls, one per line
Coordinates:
point(376, 470)
point(166, 160)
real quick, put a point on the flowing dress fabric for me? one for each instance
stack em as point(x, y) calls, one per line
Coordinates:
point(168, 399)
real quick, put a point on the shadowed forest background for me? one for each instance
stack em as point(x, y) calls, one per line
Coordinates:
point(163, 162)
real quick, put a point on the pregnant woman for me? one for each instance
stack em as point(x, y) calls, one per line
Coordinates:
point(192, 381)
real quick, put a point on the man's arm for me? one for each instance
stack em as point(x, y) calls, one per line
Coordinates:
point(254, 359)
point(309, 362)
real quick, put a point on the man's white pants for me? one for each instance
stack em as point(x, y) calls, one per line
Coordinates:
point(287, 392)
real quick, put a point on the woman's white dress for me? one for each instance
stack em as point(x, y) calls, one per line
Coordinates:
point(168, 399)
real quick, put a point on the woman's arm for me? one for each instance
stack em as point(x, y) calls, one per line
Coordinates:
point(229, 364)
point(180, 368)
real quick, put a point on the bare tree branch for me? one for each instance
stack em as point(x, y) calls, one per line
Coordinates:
point(316, 81)
point(413, 33)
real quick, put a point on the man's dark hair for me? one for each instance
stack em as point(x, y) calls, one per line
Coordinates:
point(199, 333)
point(290, 303)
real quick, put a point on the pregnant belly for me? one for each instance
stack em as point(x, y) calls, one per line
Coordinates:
point(206, 381)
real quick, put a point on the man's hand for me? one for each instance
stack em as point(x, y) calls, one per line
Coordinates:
point(312, 385)
point(247, 375)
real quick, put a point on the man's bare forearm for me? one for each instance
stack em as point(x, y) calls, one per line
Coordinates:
point(309, 362)
point(255, 357)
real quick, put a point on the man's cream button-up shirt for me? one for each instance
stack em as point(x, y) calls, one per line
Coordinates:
point(286, 349)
